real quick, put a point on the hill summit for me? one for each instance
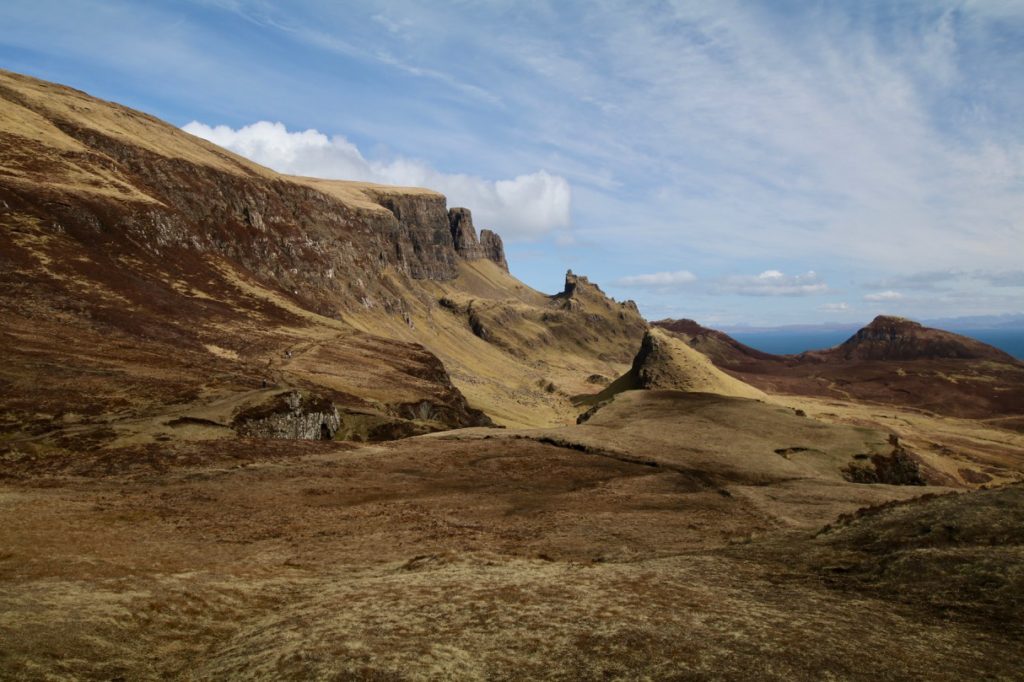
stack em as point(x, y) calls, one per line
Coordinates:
point(665, 362)
point(897, 338)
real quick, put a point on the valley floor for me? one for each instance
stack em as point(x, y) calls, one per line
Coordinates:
point(495, 554)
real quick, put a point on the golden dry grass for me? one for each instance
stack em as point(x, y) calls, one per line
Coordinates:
point(510, 387)
point(674, 535)
point(671, 364)
point(484, 555)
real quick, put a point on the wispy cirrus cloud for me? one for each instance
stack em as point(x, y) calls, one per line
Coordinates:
point(884, 296)
point(941, 279)
point(772, 283)
point(658, 280)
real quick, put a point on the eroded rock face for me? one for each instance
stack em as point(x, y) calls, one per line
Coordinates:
point(493, 248)
point(460, 221)
point(293, 414)
point(489, 245)
point(421, 237)
point(309, 243)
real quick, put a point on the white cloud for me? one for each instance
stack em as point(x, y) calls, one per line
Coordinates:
point(884, 296)
point(656, 280)
point(772, 283)
point(522, 207)
point(834, 307)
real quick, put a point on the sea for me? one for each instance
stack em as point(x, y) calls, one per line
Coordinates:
point(785, 342)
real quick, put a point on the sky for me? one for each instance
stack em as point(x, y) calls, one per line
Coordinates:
point(763, 163)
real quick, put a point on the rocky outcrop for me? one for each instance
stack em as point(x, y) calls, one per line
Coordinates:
point(897, 468)
point(574, 282)
point(493, 248)
point(578, 291)
point(489, 245)
point(460, 221)
point(293, 414)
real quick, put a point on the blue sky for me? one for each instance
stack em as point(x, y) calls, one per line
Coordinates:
point(764, 163)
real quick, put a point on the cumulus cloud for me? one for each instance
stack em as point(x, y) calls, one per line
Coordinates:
point(524, 206)
point(773, 283)
point(884, 296)
point(658, 280)
point(834, 307)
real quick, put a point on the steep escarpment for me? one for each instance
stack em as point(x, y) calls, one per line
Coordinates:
point(164, 280)
point(324, 242)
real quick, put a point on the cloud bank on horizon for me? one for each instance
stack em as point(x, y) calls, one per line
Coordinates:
point(669, 150)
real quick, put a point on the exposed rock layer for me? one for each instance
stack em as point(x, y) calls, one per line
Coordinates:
point(464, 237)
point(293, 414)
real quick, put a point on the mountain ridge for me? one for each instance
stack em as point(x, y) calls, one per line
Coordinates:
point(229, 282)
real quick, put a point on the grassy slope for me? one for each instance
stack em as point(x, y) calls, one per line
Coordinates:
point(509, 377)
point(665, 362)
point(522, 554)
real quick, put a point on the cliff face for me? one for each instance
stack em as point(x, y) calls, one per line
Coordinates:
point(288, 234)
point(419, 233)
point(103, 173)
point(467, 245)
point(493, 248)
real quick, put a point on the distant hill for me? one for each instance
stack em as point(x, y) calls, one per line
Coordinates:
point(1006, 321)
point(891, 360)
point(896, 338)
